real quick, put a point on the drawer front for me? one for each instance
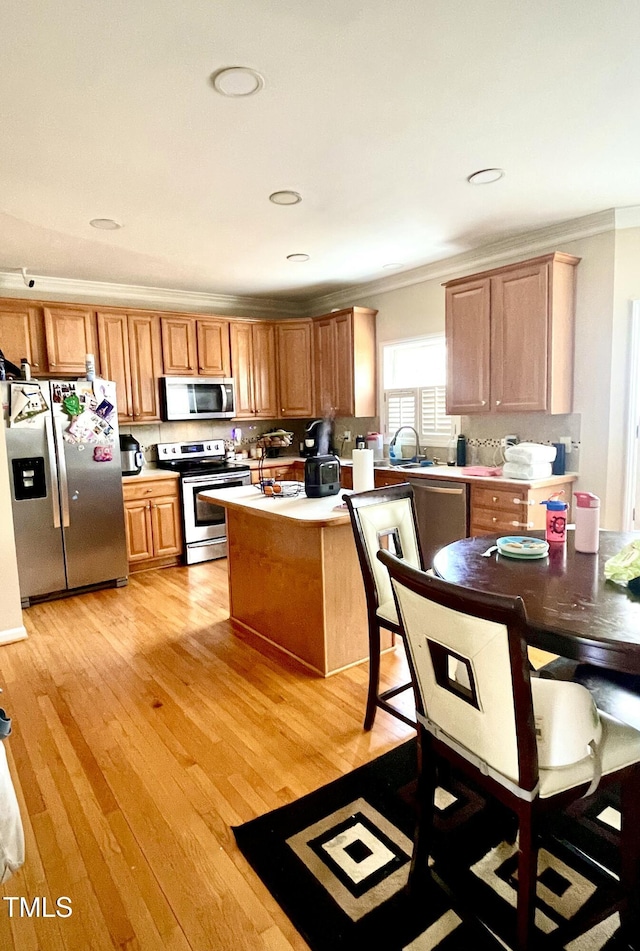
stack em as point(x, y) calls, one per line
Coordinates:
point(388, 478)
point(485, 522)
point(506, 500)
point(146, 490)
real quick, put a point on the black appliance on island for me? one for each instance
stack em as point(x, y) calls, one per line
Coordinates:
point(321, 476)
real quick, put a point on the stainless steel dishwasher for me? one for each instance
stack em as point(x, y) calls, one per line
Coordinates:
point(442, 510)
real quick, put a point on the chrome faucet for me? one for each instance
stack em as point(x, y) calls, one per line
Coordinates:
point(395, 436)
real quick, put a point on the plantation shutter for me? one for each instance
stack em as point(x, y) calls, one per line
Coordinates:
point(434, 419)
point(401, 409)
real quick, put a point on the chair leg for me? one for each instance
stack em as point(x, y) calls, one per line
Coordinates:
point(630, 859)
point(374, 676)
point(527, 876)
point(423, 837)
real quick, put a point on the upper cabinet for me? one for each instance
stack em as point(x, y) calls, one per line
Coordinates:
point(193, 346)
point(130, 353)
point(214, 354)
point(294, 345)
point(345, 362)
point(70, 333)
point(253, 366)
point(22, 335)
point(509, 335)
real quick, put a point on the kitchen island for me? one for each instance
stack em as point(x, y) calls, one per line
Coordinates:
point(294, 577)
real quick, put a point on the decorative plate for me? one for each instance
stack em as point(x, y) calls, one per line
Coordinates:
point(522, 546)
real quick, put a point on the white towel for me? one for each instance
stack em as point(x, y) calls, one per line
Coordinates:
point(530, 453)
point(11, 832)
point(517, 470)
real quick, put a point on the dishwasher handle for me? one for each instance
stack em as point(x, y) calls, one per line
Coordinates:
point(438, 490)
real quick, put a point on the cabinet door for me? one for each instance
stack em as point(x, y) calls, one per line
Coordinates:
point(113, 348)
point(137, 516)
point(344, 362)
point(165, 519)
point(22, 335)
point(179, 346)
point(265, 396)
point(520, 339)
point(71, 334)
point(214, 357)
point(324, 362)
point(146, 365)
point(468, 336)
point(295, 368)
point(242, 366)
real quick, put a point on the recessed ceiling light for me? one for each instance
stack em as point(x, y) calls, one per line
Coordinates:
point(285, 198)
point(237, 81)
point(105, 224)
point(297, 257)
point(392, 266)
point(485, 176)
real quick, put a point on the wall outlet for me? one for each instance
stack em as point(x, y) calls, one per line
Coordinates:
point(508, 441)
point(347, 435)
point(567, 443)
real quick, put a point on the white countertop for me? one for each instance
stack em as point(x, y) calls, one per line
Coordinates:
point(326, 511)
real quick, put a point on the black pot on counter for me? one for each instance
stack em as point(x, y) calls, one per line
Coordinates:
point(321, 476)
point(131, 456)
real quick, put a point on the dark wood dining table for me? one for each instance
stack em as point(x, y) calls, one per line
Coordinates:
point(572, 610)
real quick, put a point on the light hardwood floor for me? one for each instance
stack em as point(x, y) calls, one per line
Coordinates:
point(144, 728)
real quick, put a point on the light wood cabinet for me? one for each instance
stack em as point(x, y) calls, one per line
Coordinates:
point(130, 354)
point(294, 344)
point(153, 523)
point(70, 334)
point(179, 346)
point(512, 509)
point(195, 345)
point(345, 362)
point(253, 364)
point(214, 355)
point(22, 334)
point(509, 338)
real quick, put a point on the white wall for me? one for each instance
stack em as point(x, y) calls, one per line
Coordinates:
point(626, 289)
point(11, 627)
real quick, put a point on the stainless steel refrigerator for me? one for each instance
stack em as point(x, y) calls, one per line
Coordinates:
point(66, 485)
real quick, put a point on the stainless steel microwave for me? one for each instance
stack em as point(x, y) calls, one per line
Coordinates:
point(197, 397)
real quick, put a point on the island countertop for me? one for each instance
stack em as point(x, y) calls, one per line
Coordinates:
point(323, 512)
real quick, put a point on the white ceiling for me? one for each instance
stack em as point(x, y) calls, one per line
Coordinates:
point(375, 111)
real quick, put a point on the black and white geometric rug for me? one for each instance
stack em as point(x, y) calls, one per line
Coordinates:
point(337, 862)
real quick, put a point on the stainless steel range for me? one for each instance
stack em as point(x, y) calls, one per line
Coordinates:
point(202, 466)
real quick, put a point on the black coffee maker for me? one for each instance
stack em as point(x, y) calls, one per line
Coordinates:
point(318, 438)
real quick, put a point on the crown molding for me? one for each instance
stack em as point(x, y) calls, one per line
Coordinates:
point(131, 295)
point(530, 242)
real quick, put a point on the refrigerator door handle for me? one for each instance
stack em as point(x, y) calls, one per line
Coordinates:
point(53, 467)
point(64, 485)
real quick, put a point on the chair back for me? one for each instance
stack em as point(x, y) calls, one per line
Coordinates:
point(485, 714)
point(383, 519)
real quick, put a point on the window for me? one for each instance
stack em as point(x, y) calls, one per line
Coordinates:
point(414, 381)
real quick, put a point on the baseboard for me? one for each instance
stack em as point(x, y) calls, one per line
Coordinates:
point(13, 634)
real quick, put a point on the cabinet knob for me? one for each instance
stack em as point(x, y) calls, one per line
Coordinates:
point(36, 365)
point(483, 402)
point(495, 519)
point(498, 402)
point(494, 498)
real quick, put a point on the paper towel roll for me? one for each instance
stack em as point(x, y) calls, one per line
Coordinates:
point(362, 470)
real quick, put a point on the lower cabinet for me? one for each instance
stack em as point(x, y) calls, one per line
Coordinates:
point(153, 523)
point(511, 509)
point(293, 472)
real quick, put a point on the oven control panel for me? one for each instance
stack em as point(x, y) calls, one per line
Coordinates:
point(209, 449)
